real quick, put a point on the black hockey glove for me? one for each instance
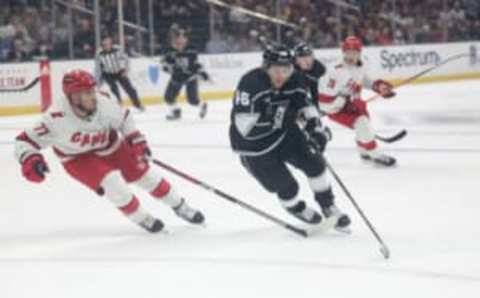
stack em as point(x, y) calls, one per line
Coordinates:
point(317, 135)
point(204, 76)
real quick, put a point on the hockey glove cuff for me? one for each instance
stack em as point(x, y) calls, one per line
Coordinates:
point(384, 88)
point(34, 168)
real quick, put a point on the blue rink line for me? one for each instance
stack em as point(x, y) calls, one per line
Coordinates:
point(223, 147)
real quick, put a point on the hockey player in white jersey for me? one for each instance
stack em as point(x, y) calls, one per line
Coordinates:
point(99, 146)
point(340, 98)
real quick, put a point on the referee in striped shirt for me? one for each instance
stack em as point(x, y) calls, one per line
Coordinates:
point(111, 65)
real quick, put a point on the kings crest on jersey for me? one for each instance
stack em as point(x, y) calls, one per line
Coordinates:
point(261, 115)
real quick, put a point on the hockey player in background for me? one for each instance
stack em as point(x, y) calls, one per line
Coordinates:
point(264, 132)
point(181, 61)
point(310, 68)
point(100, 147)
point(340, 98)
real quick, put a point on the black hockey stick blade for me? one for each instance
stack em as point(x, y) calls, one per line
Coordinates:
point(391, 139)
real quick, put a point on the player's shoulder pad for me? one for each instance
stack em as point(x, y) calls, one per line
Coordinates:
point(335, 68)
point(104, 97)
point(191, 49)
point(296, 85)
point(107, 106)
point(54, 115)
point(296, 79)
point(363, 62)
point(255, 80)
point(167, 52)
point(319, 68)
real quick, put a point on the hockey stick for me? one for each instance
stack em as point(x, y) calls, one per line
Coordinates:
point(423, 72)
point(231, 199)
point(253, 13)
point(391, 139)
point(384, 250)
point(25, 88)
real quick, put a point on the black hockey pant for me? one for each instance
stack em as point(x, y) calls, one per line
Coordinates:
point(127, 86)
point(174, 87)
point(271, 171)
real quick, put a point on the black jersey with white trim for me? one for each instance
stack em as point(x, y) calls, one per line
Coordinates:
point(312, 77)
point(182, 65)
point(261, 115)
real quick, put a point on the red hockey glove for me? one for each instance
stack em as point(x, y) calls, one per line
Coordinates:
point(34, 168)
point(384, 88)
point(139, 147)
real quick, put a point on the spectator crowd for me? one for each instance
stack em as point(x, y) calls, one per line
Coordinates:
point(31, 29)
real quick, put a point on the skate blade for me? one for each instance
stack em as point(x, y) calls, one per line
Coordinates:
point(345, 230)
point(322, 228)
point(163, 232)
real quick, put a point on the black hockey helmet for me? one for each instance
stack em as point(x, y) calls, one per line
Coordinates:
point(177, 30)
point(277, 55)
point(302, 49)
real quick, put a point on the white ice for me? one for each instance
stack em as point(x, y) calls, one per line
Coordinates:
point(58, 239)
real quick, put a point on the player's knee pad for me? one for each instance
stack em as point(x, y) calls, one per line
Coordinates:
point(313, 165)
point(116, 189)
point(150, 180)
point(131, 208)
point(159, 188)
point(364, 130)
point(162, 189)
point(319, 183)
point(287, 191)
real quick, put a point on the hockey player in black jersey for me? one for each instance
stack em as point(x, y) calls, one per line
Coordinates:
point(265, 133)
point(310, 68)
point(181, 61)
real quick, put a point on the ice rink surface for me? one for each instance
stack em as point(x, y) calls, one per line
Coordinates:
point(59, 240)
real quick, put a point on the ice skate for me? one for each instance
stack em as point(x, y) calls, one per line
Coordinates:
point(174, 114)
point(343, 221)
point(188, 213)
point(304, 213)
point(152, 224)
point(378, 158)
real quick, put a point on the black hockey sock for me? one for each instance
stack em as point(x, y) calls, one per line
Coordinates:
point(324, 198)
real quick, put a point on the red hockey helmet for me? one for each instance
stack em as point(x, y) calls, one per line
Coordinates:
point(76, 81)
point(352, 43)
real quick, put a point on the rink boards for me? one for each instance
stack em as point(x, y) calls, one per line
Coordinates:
point(393, 63)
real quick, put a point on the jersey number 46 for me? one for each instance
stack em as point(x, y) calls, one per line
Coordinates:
point(242, 98)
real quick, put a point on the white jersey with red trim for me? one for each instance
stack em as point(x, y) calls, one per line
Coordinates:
point(342, 82)
point(70, 135)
